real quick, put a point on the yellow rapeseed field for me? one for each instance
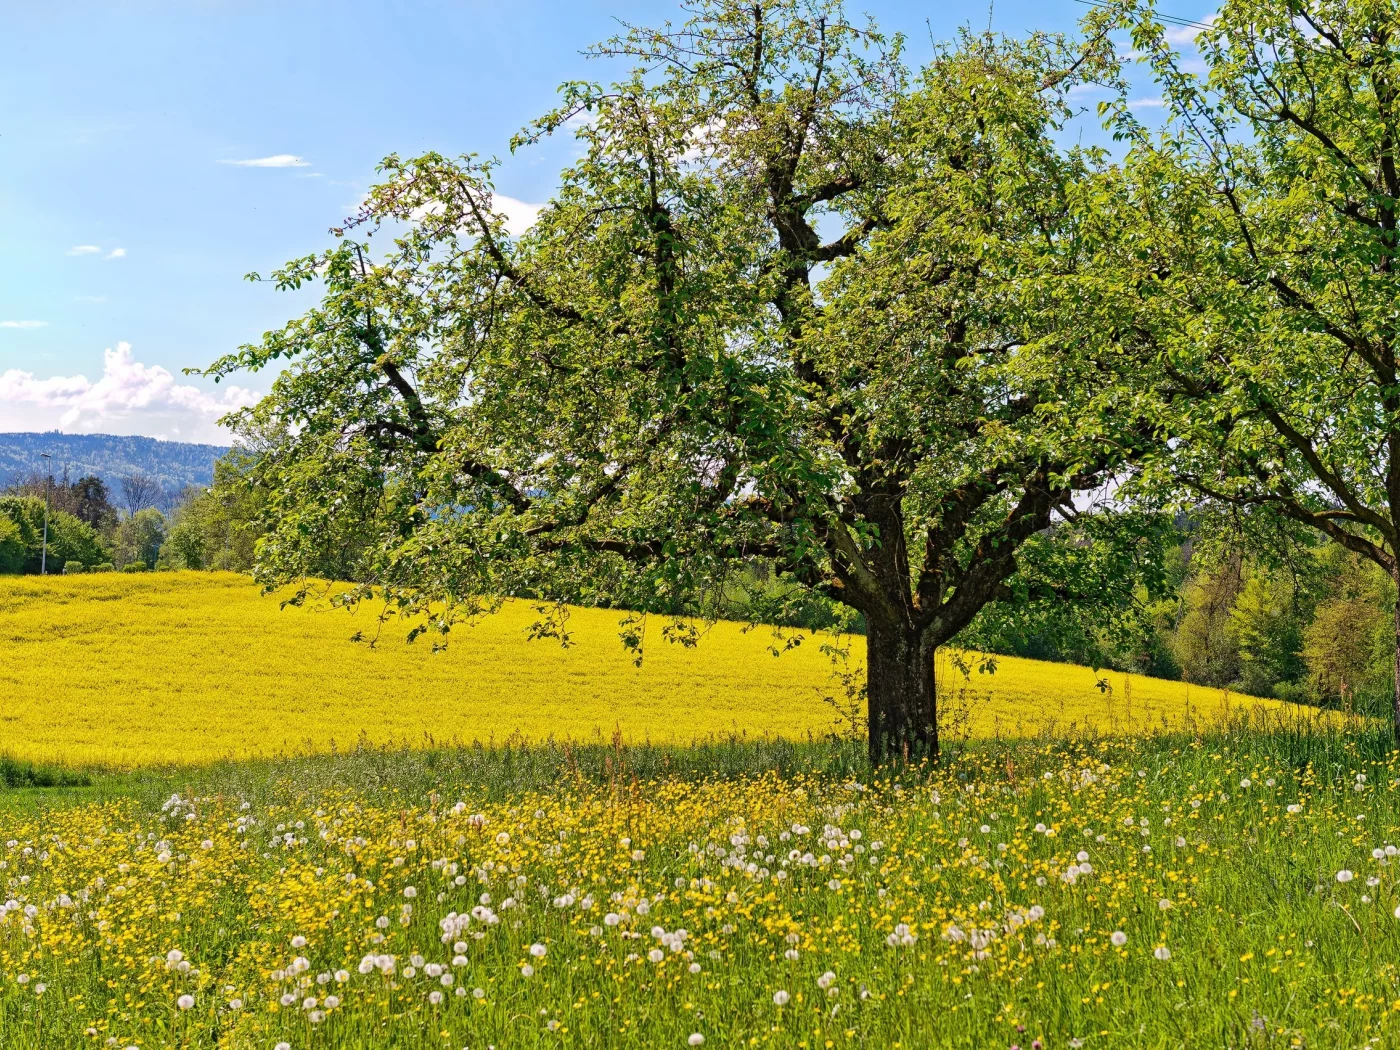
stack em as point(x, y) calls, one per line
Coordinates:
point(181, 668)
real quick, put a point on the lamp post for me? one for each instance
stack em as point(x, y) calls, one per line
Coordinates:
point(44, 555)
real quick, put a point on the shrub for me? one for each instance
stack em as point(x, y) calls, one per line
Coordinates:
point(71, 568)
point(103, 566)
point(136, 566)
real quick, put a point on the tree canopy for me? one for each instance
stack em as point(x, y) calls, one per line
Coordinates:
point(795, 303)
point(1255, 261)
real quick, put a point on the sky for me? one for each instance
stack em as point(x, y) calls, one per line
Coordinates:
point(153, 153)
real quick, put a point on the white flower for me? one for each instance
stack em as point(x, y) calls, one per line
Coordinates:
point(1345, 876)
point(1164, 904)
point(656, 955)
point(410, 892)
point(298, 941)
point(479, 993)
point(694, 967)
point(1119, 938)
point(781, 998)
point(1295, 808)
point(283, 1046)
point(309, 1003)
point(527, 970)
point(185, 1002)
point(826, 980)
point(538, 950)
point(696, 1039)
point(435, 998)
point(1162, 954)
point(502, 838)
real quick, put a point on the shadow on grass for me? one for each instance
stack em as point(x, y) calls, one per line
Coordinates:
point(1329, 747)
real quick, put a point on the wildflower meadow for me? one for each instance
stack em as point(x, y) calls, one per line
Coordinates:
point(1236, 889)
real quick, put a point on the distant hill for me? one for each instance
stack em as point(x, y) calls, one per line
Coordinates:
point(111, 457)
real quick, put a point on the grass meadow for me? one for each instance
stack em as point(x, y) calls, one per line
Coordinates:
point(213, 875)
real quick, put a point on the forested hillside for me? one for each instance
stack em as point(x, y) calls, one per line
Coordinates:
point(174, 464)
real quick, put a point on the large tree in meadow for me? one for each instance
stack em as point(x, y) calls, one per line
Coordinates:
point(1260, 237)
point(793, 303)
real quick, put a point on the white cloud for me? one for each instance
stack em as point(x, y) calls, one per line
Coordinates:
point(520, 215)
point(281, 160)
point(84, 249)
point(1187, 34)
point(117, 253)
point(129, 398)
point(23, 324)
point(1146, 103)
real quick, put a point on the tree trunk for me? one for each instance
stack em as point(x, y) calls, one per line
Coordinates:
point(1395, 701)
point(900, 693)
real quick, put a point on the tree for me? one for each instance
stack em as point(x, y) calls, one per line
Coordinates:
point(91, 503)
point(674, 371)
point(1262, 253)
point(68, 538)
point(139, 491)
point(12, 552)
point(139, 538)
point(217, 527)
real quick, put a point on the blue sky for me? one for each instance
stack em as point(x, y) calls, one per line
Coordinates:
point(129, 213)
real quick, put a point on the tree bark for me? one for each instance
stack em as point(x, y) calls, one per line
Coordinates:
point(902, 705)
point(1395, 700)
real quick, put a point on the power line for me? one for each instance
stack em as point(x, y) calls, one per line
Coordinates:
point(1171, 19)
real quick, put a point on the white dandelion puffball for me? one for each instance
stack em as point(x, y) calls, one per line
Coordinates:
point(435, 998)
point(696, 1039)
point(538, 950)
point(185, 1002)
point(1345, 876)
point(1162, 954)
point(298, 941)
point(1119, 938)
point(527, 970)
point(781, 998)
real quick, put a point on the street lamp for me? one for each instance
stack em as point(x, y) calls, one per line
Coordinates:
point(44, 556)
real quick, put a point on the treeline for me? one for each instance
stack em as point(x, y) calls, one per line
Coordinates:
point(91, 528)
point(1311, 624)
point(1312, 627)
